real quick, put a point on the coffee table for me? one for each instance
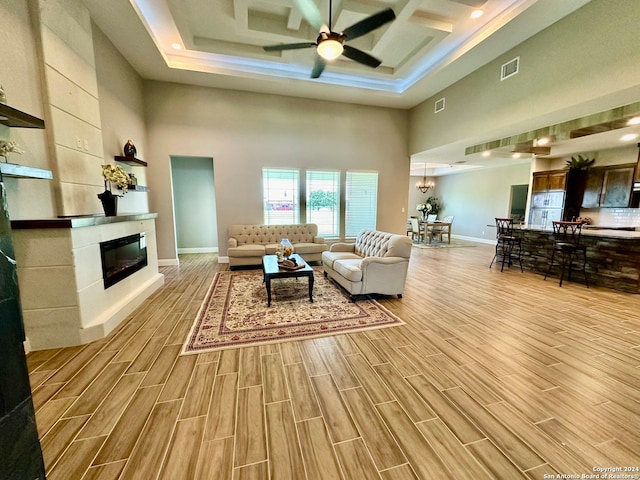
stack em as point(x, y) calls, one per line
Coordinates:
point(271, 269)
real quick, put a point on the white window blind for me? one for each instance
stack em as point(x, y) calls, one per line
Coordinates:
point(361, 202)
point(323, 201)
point(281, 190)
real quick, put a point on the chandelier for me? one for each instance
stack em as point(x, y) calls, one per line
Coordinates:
point(423, 185)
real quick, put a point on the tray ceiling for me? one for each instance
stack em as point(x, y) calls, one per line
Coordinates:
point(220, 43)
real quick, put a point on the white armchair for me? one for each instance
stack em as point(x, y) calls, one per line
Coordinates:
point(376, 263)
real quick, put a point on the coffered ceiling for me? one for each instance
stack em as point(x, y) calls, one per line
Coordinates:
point(430, 44)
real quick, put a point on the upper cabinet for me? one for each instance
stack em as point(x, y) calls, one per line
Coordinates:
point(608, 187)
point(551, 180)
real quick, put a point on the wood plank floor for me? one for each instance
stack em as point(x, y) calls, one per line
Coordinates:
point(494, 376)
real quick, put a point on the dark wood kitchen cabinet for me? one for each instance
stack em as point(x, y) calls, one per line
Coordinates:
point(608, 187)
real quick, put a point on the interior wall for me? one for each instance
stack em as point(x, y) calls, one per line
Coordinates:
point(247, 131)
point(476, 197)
point(589, 61)
point(416, 196)
point(20, 77)
point(121, 115)
point(72, 105)
point(194, 204)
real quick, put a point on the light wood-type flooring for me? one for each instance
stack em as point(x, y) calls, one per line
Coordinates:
point(494, 376)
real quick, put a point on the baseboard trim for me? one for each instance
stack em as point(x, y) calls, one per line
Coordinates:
point(168, 262)
point(198, 250)
point(223, 259)
point(488, 241)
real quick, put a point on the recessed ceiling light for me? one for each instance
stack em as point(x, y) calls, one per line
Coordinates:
point(477, 13)
point(486, 153)
point(634, 121)
point(628, 137)
point(515, 155)
point(543, 141)
point(176, 46)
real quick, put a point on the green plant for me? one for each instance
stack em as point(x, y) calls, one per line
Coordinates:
point(580, 163)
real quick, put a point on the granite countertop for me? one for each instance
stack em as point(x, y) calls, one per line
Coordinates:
point(79, 221)
point(592, 231)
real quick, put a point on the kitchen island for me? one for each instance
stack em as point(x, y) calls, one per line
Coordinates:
point(613, 255)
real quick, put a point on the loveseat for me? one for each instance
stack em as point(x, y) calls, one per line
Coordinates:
point(247, 244)
point(376, 263)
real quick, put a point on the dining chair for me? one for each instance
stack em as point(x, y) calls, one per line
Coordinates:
point(444, 230)
point(416, 232)
point(506, 241)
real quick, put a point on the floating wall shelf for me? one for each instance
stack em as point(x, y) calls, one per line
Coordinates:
point(136, 162)
point(12, 117)
point(20, 171)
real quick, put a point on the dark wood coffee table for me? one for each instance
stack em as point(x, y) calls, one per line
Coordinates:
point(271, 269)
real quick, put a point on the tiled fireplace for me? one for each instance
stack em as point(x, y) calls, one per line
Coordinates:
point(65, 300)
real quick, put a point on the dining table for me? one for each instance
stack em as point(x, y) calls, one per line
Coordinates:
point(436, 227)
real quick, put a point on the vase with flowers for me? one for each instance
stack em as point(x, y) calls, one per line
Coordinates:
point(112, 175)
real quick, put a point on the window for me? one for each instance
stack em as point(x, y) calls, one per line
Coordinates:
point(361, 200)
point(280, 192)
point(323, 201)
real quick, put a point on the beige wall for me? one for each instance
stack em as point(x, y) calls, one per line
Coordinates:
point(476, 197)
point(20, 76)
point(244, 132)
point(589, 59)
point(121, 115)
point(73, 108)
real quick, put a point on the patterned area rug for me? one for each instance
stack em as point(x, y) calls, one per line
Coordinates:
point(235, 313)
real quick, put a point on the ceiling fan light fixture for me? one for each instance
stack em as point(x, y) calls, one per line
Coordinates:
point(330, 48)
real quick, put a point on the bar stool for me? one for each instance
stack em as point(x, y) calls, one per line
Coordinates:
point(566, 244)
point(505, 243)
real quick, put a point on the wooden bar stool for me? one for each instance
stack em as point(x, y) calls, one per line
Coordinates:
point(566, 244)
point(506, 241)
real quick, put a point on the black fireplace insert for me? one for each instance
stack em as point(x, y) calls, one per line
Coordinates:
point(122, 257)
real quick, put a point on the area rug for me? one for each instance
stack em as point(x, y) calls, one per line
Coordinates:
point(235, 313)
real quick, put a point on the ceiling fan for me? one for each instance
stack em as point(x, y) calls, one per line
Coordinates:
point(329, 44)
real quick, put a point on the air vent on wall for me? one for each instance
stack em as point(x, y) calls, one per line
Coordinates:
point(510, 68)
point(439, 105)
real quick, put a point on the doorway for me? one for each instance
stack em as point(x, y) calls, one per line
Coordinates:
point(194, 204)
point(518, 203)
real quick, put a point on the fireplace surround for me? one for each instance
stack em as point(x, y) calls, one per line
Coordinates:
point(62, 286)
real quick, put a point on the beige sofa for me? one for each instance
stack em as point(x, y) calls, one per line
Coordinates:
point(376, 263)
point(247, 244)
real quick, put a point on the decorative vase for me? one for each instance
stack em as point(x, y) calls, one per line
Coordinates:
point(287, 247)
point(109, 203)
point(129, 149)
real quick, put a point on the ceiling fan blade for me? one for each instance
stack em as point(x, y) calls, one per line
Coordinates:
point(288, 46)
point(310, 13)
point(318, 67)
point(360, 57)
point(368, 24)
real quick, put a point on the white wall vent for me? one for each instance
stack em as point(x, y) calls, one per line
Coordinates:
point(510, 68)
point(439, 105)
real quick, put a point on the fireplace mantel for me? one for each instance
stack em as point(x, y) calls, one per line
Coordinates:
point(64, 301)
point(79, 221)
